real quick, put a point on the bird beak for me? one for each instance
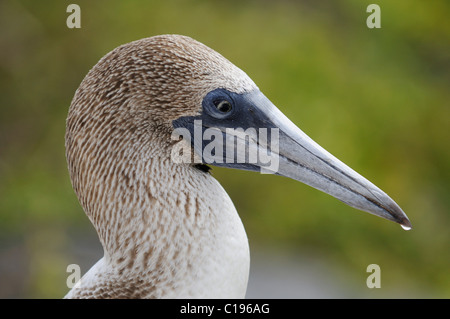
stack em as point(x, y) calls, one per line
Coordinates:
point(302, 159)
point(282, 148)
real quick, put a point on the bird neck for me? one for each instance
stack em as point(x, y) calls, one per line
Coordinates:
point(170, 225)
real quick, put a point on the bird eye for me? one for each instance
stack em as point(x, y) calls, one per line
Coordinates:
point(223, 106)
point(219, 104)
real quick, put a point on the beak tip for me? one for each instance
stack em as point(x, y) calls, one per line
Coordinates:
point(395, 213)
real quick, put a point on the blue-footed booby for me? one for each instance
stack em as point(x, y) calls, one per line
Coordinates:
point(167, 227)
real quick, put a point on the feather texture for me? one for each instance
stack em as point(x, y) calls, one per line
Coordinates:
point(167, 229)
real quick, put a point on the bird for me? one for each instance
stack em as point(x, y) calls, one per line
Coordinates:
point(139, 149)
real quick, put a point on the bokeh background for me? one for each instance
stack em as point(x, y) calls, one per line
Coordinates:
point(378, 99)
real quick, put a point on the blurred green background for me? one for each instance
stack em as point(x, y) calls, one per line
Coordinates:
point(378, 99)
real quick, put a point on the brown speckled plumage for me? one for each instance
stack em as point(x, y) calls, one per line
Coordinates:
point(158, 233)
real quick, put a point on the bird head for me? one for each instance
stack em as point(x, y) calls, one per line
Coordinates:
point(205, 110)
